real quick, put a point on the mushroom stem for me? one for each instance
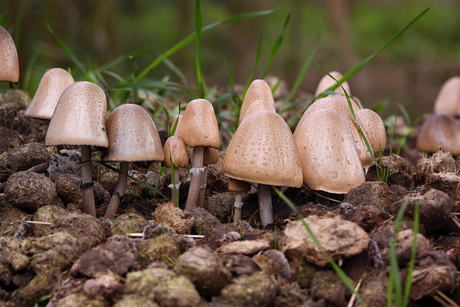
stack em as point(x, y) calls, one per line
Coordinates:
point(195, 178)
point(119, 191)
point(238, 204)
point(203, 181)
point(265, 204)
point(175, 184)
point(89, 206)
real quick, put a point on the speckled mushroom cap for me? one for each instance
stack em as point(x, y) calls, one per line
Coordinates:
point(198, 126)
point(328, 153)
point(9, 62)
point(373, 127)
point(262, 150)
point(440, 131)
point(326, 82)
point(79, 117)
point(175, 152)
point(52, 84)
point(258, 90)
point(133, 135)
point(259, 105)
point(343, 110)
point(448, 99)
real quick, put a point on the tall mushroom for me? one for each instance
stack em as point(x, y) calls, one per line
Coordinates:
point(52, 84)
point(9, 62)
point(258, 90)
point(263, 151)
point(133, 136)
point(79, 119)
point(198, 128)
point(328, 155)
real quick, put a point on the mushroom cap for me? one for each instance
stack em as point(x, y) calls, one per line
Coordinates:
point(52, 84)
point(211, 155)
point(259, 105)
point(448, 99)
point(326, 82)
point(79, 117)
point(132, 135)
point(440, 131)
point(9, 62)
point(258, 90)
point(328, 153)
point(236, 185)
point(343, 110)
point(262, 150)
point(175, 152)
point(374, 128)
point(198, 126)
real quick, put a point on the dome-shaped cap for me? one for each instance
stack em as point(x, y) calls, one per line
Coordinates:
point(448, 99)
point(198, 126)
point(9, 62)
point(79, 117)
point(52, 84)
point(259, 105)
point(262, 150)
point(374, 128)
point(326, 82)
point(440, 131)
point(175, 152)
point(328, 153)
point(258, 90)
point(133, 135)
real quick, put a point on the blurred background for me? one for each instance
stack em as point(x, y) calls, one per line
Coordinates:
point(344, 32)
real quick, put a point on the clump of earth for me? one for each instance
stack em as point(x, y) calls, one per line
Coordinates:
point(152, 253)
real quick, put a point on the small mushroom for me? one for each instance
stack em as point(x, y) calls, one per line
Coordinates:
point(52, 84)
point(133, 136)
point(198, 128)
point(258, 90)
point(79, 119)
point(238, 186)
point(211, 156)
point(9, 61)
point(440, 131)
point(374, 128)
point(258, 105)
point(448, 99)
point(263, 151)
point(176, 155)
point(326, 82)
point(328, 155)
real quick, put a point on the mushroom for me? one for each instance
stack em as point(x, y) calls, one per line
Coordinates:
point(328, 155)
point(238, 186)
point(198, 128)
point(257, 90)
point(176, 155)
point(9, 62)
point(448, 99)
point(326, 82)
point(374, 128)
point(258, 105)
point(133, 136)
point(263, 151)
point(343, 110)
point(52, 84)
point(79, 119)
point(440, 131)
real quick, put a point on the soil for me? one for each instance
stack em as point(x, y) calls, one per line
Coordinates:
point(155, 254)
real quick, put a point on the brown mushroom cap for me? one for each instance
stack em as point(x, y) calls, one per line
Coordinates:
point(198, 126)
point(133, 135)
point(79, 117)
point(343, 110)
point(328, 153)
point(236, 185)
point(258, 90)
point(374, 128)
point(448, 99)
point(176, 152)
point(211, 155)
point(9, 62)
point(262, 150)
point(440, 131)
point(52, 84)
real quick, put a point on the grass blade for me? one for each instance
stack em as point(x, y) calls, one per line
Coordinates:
point(199, 75)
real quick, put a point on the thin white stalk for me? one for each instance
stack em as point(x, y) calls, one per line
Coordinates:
point(195, 178)
point(265, 204)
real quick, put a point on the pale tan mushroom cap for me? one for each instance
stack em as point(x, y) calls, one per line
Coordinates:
point(259, 105)
point(258, 90)
point(133, 135)
point(440, 131)
point(198, 126)
point(326, 82)
point(79, 117)
point(262, 150)
point(374, 128)
point(236, 185)
point(9, 62)
point(328, 153)
point(51, 86)
point(448, 99)
point(211, 155)
point(175, 152)
point(343, 110)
